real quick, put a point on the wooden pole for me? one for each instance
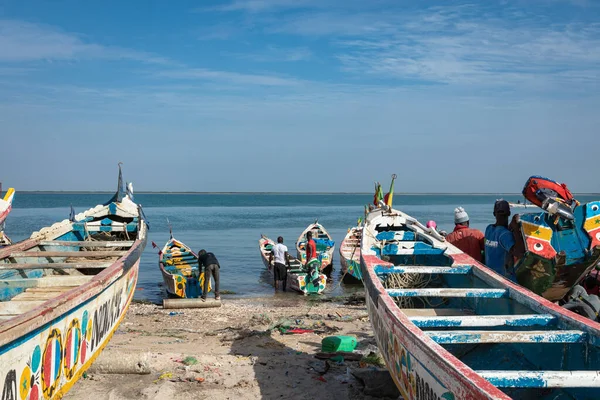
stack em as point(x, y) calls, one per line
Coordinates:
point(190, 303)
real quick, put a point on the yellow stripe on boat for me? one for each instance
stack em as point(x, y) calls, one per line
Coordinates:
point(536, 231)
point(592, 223)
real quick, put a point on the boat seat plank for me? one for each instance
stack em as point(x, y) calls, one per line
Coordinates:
point(76, 253)
point(46, 281)
point(408, 269)
point(542, 379)
point(27, 296)
point(425, 312)
point(462, 337)
point(483, 320)
point(57, 265)
point(88, 243)
point(18, 307)
point(446, 292)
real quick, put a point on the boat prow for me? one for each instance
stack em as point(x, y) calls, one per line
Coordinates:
point(63, 293)
point(5, 208)
point(325, 246)
point(180, 270)
point(350, 256)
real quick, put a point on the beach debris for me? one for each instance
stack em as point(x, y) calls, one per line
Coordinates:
point(377, 383)
point(164, 375)
point(332, 344)
point(173, 313)
point(373, 359)
point(320, 378)
point(260, 319)
point(294, 331)
point(320, 367)
point(189, 360)
point(348, 356)
point(199, 380)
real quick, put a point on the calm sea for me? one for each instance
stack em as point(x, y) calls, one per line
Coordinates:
point(231, 224)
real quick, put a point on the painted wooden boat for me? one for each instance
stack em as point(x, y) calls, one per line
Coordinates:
point(297, 276)
point(180, 271)
point(63, 293)
point(451, 328)
point(5, 208)
point(325, 246)
point(559, 249)
point(350, 256)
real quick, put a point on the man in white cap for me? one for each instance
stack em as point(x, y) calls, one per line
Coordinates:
point(469, 240)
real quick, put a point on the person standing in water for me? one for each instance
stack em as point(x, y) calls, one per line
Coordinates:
point(279, 252)
point(211, 267)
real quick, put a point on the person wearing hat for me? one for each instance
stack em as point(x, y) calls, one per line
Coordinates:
point(500, 242)
point(469, 240)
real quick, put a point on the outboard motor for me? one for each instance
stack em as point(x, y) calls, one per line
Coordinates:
point(582, 303)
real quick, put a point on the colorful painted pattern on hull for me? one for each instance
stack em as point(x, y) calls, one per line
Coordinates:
point(558, 252)
point(350, 253)
point(49, 360)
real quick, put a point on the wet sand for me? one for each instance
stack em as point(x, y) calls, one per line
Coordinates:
point(233, 352)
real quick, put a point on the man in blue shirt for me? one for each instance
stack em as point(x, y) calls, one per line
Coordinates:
point(500, 242)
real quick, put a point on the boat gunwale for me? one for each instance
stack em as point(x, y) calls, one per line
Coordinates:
point(471, 382)
point(344, 246)
point(33, 319)
point(161, 264)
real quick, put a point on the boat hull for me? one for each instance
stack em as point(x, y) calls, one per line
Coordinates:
point(183, 283)
point(325, 256)
point(350, 256)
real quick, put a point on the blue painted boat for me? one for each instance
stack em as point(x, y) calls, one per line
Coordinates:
point(180, 270)
point(450, 328)
point(558, 249)
point(64, 292)
point(325, 247)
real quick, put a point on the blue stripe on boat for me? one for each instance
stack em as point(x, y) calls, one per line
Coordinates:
point(383, 270)
point(445, 292)
point(483, 320)
point(542, 379)
point(462, 337)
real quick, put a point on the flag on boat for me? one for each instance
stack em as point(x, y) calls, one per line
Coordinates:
point(389, 197)
point(378, 194)
point(72, 214)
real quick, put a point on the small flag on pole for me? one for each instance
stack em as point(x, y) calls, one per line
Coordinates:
point(72, 214)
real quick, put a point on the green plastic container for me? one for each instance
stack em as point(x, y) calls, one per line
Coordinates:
point(331, 344)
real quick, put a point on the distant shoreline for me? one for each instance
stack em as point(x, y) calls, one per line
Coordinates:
point(284, 193)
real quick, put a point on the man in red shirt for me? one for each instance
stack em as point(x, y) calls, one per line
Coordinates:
point(471, 241)
point(311, 247)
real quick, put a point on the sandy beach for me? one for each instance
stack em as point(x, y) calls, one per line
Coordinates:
point(238, 351)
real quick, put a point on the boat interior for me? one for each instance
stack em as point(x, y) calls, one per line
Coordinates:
point(31, 276)
point(179, 259)
point(512, 342)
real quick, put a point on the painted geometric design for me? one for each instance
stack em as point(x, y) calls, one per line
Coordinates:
point(592, 222)
point(52, 363)
point(29, 384)
point(536, 231)
point(542, 248)
point(72, 348)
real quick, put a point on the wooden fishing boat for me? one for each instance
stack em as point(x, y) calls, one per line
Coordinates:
point(180, 271)
point(325, 247)
point(451, 328)
point(5, 207)
point(350, 256)
point(63, 293)
point(298, 277)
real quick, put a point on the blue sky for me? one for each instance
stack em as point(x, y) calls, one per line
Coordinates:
point(299, 95)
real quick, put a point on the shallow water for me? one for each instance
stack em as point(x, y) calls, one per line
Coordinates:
point(230, 225)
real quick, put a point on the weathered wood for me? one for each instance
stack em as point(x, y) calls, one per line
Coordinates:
point(124, 364)
point(79, 265)
point(46, 281)
point(88, 243)
point(18, 307)
point(190, 303)
point(43, 254)
point(454, 337)
point(27, 296)
point(483, 320)
point(446, 292)
point(543, 379)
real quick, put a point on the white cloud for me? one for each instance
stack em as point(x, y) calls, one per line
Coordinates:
point(22, 41)
point(227, 77)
